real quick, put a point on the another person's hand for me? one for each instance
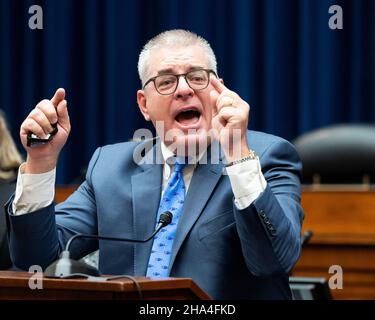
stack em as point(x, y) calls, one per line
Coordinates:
point(43, 158)
point(230, 118)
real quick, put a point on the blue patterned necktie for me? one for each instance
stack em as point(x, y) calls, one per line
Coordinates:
point(173, 201)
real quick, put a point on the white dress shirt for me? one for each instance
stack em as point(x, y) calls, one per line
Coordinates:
point(37, 191)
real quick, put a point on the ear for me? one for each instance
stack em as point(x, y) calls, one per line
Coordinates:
point(141, 100)
point(221, 80)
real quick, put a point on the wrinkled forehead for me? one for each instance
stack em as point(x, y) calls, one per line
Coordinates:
point(176, 59)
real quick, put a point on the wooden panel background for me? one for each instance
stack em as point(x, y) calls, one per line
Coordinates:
point(343, 223)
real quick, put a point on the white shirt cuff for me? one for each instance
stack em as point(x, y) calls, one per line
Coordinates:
point(247, 182)
point(33, 191)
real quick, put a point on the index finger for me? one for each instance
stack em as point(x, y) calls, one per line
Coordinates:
point(218, 85)
point(59, 96)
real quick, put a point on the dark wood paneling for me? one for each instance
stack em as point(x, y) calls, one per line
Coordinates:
point(343, 223)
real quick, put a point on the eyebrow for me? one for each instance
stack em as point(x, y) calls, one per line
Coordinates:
point(170, 70)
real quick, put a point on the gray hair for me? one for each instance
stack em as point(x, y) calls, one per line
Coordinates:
point(177, 37)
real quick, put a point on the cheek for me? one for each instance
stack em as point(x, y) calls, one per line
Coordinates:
point(207, 111)
point(206, 103)
point(163, 114)
point(158, 109)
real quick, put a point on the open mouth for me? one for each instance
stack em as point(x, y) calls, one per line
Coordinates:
point(188, 117)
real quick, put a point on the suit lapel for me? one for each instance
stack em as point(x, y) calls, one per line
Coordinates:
point(146, 191)
point(204, 180)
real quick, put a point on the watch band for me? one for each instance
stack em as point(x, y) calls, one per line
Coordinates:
point(251, 156)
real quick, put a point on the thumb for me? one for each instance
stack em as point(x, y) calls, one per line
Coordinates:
point(214, 95)
point(59, 96)
point(63, 115)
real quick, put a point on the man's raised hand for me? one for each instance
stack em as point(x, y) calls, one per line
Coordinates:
point(229, 120)
point(44, 157)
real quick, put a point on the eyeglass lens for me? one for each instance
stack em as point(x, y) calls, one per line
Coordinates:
point(167, 84)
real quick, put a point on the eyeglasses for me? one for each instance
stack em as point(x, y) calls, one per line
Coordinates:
point(167, 83)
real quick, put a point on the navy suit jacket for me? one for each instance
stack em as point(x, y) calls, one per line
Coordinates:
point(230, 253)
point(6, 189)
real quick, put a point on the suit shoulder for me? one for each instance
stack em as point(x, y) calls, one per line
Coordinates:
point(269, 146)
point(262, 141)
point(114, 154)
point(121, 147)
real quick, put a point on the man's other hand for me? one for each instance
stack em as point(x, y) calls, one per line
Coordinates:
point(43, 158)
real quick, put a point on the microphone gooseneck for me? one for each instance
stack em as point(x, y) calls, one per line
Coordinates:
point(66, 267)
point(164, 220)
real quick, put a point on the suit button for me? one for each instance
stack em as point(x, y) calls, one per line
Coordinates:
point(267, 221)
point(262, 214)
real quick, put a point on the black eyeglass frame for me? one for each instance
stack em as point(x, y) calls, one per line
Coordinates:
point(209, 71)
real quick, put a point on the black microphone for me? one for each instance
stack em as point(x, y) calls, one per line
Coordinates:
point(65, 267)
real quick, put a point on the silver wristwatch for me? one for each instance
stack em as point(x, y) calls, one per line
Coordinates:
point(251, 156)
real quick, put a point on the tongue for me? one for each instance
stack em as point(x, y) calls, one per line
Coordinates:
point(188, 118)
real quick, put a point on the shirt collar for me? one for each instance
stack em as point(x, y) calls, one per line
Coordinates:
point(168, 155)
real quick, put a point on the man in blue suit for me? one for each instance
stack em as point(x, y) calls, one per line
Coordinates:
point(237, 215)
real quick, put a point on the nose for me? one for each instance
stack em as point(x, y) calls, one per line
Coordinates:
point(183, 90)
